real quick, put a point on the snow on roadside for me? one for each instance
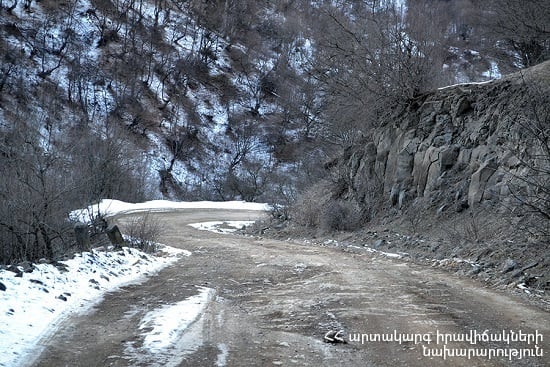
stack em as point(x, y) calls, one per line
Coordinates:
point(228, 226)
point(108, 207)
point(34, 303)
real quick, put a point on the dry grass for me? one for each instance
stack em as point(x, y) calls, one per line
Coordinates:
point(538, 74)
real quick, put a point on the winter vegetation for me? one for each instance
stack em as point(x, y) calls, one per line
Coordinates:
point(256, 101)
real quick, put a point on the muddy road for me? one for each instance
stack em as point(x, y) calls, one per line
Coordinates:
point(270, 303)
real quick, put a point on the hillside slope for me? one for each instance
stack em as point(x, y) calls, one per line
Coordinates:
point(457, 147)
point(461, 173)
point(201, 109)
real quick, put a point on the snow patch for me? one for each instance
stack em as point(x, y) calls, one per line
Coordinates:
point(33, 305)
point(465, 84)
point(493, 72)
point(221, 361)
point(169, 322)
point(171, 332)
point(222, 226)
point(108, 207)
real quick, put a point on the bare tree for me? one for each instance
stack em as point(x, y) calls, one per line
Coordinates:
point(35, 190)
point(530, 180)
point(388, 58)
point(8, 65)
point(522, 25)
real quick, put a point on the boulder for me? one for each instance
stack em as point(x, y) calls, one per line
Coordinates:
point(27, 266)
point(508, 266)
point(115, 236)
point(16, 270)
point(448, 157)
point(478, 182)
point(461, 107)
point(82, 236)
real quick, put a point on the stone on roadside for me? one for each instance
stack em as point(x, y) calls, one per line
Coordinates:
point(27, 266)
point(16, 270)
point(508, 266)
point(115, 236)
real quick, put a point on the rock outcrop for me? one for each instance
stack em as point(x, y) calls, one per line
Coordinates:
point(458, 147)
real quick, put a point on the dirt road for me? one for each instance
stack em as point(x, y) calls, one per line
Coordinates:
point(272, 302)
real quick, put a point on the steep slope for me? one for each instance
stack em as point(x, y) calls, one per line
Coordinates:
point(462, 173)
point(459, 146)
point(199, 108)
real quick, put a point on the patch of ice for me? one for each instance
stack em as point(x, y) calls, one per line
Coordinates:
point(387, 254)
point(171, 332)
point(168, 323)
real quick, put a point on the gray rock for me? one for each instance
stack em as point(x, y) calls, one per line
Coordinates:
point(27, 266)
point(82, 236)
point(462, 107)
point(402, 199)
point(508, 266)
point(476, 269)
point(478, 182)
point(63, 268)
point(2, 287)
point(530, 265)
point(16, 270)
point(115, 236)
point(378, 243)
point(448, 157)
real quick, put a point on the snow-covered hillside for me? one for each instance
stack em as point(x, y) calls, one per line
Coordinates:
point(199, 105)
point(218, 100)
point(219, 104)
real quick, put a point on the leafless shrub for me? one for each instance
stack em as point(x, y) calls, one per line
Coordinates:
point(341, 215)
point(387, 58)
point(414, 217)
point(529, 182)
point(144, 232)
point(308, 208)
point(473, 227)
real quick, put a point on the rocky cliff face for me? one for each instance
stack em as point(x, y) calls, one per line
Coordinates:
point(447, 180)
point(458, 147)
